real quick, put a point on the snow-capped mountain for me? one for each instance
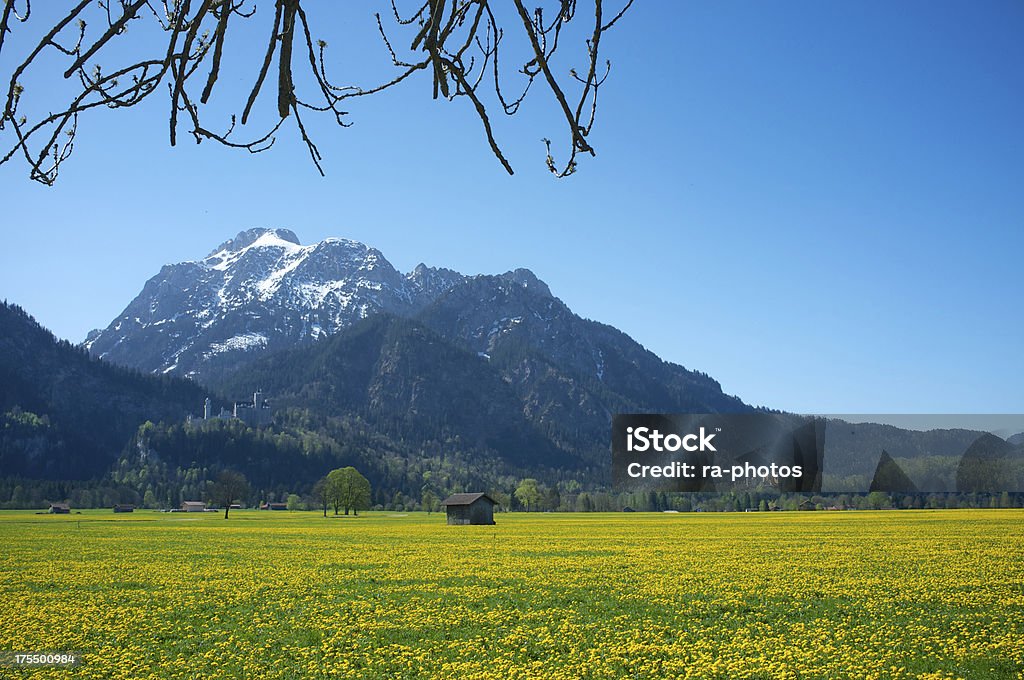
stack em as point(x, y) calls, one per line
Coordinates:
point(261, 290)
point(424, 356)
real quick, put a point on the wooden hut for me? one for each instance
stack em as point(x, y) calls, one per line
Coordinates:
point(193, 506)
point(124, 507)
point(470, 508)
point(60, 509)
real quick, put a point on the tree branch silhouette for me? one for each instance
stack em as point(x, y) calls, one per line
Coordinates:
point(458, 42)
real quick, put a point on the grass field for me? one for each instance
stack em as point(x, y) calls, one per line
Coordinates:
point(909, 594)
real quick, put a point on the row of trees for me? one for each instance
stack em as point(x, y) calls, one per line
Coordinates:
point(34, 494)
point(536, 497)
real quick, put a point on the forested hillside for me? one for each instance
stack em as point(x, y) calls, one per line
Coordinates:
point(66, 415)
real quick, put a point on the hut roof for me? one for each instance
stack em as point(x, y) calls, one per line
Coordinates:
point(466, 499)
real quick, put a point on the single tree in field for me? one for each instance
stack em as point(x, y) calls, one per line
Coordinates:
point(528, 493)
point(230, 486)
point(116, 53)
point(348, 490)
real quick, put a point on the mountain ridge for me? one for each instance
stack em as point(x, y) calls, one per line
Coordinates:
point(263, 291)
point(245, 316)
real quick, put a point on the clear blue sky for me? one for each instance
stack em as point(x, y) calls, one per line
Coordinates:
point(819, 204)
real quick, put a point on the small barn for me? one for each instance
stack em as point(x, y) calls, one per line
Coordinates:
point(124, 507)
point(193, 506)
point(469, 508)
point(60, 509)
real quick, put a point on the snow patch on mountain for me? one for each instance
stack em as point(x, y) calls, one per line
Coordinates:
point(243, 342)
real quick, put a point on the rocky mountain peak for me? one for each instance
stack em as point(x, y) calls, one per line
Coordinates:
point(527, 279)
point(263, 290)
point(249, 236)
point(430, 282)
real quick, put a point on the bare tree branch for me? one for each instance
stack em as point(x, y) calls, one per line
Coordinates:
point(458, 42)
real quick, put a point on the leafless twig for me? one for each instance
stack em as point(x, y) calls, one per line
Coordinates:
point(458, 42)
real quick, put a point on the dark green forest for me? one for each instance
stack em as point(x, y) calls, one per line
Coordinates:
point(66, 415)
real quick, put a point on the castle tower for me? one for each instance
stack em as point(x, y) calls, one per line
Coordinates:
point(207, 409)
